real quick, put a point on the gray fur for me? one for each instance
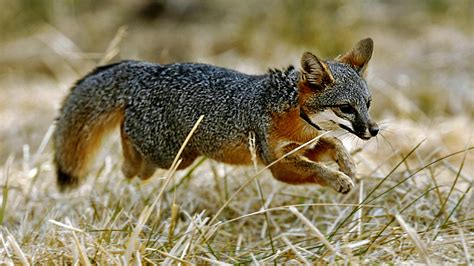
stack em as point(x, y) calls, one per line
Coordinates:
point(161, 103)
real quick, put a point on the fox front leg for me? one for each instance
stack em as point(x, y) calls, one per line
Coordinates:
point(341, 156)
point(298, 169)
point(332, 148)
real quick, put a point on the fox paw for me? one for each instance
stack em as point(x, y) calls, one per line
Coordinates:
point(342, 183)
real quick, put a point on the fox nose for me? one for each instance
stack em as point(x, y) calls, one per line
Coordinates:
point(373, 129)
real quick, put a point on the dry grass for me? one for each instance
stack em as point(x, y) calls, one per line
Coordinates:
point(413, 201)
point(398, 212)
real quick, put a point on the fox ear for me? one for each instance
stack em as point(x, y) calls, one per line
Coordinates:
point(359, 56)
point(315, 72)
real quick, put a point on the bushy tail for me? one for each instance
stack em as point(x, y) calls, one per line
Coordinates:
point(93, 108)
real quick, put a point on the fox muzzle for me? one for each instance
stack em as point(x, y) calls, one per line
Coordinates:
point(373, 128)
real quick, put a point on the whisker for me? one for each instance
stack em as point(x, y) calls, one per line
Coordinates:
point(377, 141)
point(385, 121)
point(386, 129)
point(393, 132)
point(343, 135)
point(356, 140)
point(389, 143)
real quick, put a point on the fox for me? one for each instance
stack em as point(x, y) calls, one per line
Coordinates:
point(155, 106)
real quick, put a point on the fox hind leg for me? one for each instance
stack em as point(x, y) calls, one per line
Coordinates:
point(134, 164)
point(147, 170)
point(132, 160)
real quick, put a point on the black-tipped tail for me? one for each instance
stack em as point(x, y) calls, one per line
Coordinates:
point(66, 181)
point(93, 108)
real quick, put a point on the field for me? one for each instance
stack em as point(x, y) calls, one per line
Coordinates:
point(413, 201)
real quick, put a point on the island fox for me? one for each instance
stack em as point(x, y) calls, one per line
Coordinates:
point(156, 106)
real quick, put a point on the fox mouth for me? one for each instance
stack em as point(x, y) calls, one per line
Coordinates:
point(362, 136)
point(305, 117)
point(329, 123)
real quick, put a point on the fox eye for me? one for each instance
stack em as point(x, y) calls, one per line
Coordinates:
point(347, 109)
point(368, 104)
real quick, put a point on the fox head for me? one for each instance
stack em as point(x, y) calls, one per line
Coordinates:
point(333, 94)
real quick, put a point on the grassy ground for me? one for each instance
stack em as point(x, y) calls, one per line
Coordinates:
point(413, 200)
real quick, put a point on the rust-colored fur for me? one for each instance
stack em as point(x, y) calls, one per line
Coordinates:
point(80, 143)
point(234, 154)
point(289, 131)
